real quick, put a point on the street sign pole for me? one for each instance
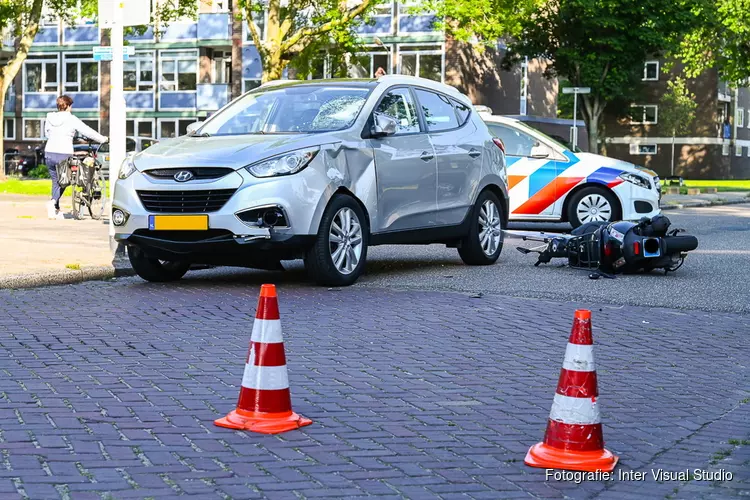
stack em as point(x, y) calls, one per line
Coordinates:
point(575, 125)
point(575, 91)
point(116, 114)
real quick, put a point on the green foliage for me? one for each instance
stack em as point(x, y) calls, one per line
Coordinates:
point(721, 40)
point(602, 44)
point(677, 107)
point(482, 21)
point(39, 172)
point(300, 30)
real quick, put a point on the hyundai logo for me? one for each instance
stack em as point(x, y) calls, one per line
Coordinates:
point(183, 176)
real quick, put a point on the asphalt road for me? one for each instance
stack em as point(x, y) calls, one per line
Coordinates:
point(715, 277)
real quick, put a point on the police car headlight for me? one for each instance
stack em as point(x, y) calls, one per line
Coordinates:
point(636, 179)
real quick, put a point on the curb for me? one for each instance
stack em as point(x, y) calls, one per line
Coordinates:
point(707, 203)
point(66, 277)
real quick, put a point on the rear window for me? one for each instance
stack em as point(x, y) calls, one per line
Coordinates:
point(462, 111)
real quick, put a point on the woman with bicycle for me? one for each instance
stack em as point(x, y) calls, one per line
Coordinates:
point(59, 128)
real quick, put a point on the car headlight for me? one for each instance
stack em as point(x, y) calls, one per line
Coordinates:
point(636, 179)
point(127, 168)
point(285, 164)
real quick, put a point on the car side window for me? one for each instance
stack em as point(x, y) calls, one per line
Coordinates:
point(462, 112)
point(517, 143)
point(437, 110)
point(399, 105)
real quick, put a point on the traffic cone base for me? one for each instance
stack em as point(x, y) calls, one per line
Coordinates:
point(264, 423)
point(547, 457)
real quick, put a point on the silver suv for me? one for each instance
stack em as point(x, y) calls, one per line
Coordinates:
point(317, 170)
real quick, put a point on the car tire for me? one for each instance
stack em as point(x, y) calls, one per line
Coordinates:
point(593, 204)
point(339, 263)
point(479, 248)
point(155, 270)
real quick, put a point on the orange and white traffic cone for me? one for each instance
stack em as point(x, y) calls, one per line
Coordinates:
point(265, 404)
point(574, 439)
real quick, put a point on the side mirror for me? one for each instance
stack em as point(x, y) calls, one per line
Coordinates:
point(193, 127)
point(384, 126)
point(539, 151)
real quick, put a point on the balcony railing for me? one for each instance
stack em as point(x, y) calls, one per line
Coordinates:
point(214, 26)
point(212, 96)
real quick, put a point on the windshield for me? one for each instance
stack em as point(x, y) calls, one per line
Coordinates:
point(301, 109)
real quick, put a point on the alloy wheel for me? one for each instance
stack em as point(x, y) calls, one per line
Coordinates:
point(490, 228)
point(345, 240)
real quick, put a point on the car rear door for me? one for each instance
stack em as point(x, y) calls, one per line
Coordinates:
point(531, 177)
point(405, 165)
point(459, 150)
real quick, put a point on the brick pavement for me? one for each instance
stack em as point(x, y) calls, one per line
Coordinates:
point(413, 394)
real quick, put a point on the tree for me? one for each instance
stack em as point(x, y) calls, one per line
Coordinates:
point(677, 110)
point(602, 44)
point(21, 18)
point(300, 26)
point(483, 22)
point(721, 40)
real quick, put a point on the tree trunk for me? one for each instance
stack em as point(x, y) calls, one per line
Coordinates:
point(273, 66)
point(592, 110)
point(9, 71)
point(2, 130)
point(672, 167)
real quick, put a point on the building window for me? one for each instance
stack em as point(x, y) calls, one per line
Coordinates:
point(172, 128)
point(91, 123)
point(725, 149)
point(33, 128)
point(250, 84)
point(651, 71)
point(178, 70)
point(138, 73)
point(364, 65)
point(260, 22)
point(81, 73)
point(139, 128)
point(644, 114)
point(738, 150)
point(383, 9)
point(643, 149)
point(41, 74)
point(425, 61)
point(740, 117)
point(9, 130)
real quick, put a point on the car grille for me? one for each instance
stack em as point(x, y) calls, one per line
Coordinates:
point(198, 172)
point(185, 201)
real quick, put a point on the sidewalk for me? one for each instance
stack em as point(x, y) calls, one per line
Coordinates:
point(38, 251)
point(675, 201)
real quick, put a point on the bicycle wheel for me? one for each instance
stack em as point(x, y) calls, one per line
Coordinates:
point(98, 196)
point(77, 200)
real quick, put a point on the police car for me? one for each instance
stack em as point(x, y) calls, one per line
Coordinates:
point(547, 181)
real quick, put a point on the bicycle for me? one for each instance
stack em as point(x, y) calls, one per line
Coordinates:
point(88, 186)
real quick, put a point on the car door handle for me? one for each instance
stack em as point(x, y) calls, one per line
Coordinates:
point(474, 153)
point(426, 156)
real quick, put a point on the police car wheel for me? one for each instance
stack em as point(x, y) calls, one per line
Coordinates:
point(593, 204)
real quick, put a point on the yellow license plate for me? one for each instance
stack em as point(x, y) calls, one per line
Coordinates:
point(178, 222)
point(106, 158)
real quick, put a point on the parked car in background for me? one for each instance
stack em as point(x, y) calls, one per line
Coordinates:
point(547, 181)
point(132, 145)
point(318, 170)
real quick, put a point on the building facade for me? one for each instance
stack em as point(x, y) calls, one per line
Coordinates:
point(717, 144)
point(196, 66)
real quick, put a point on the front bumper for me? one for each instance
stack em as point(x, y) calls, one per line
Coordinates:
point(228, 240)
point(638, 202)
